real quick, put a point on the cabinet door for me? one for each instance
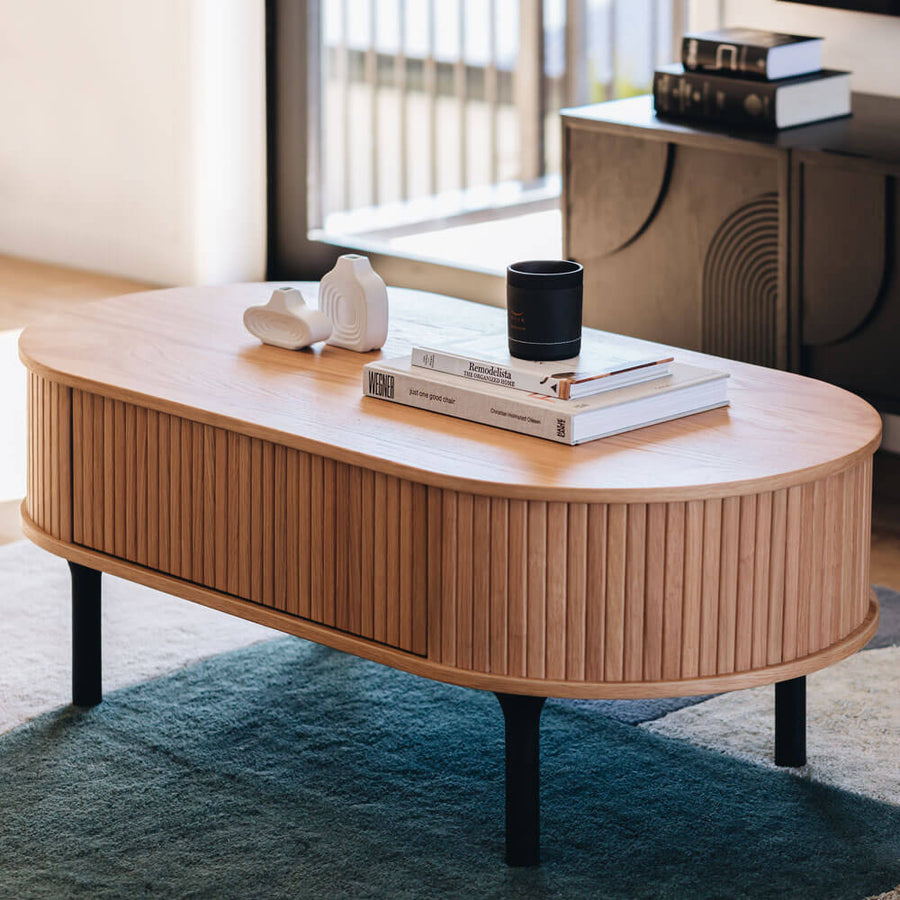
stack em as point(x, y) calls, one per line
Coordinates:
point(845, 253)
point(322, 540)
point(681, 243)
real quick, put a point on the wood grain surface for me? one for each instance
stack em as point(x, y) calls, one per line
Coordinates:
point(185, 352)
point(586, 581)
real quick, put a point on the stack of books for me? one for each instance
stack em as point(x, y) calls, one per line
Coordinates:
point(743, 76)
point(613, 386)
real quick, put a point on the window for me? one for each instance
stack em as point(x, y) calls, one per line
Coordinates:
point(431, 127)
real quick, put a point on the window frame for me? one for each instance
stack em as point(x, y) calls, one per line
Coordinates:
point(296, 246)
point(292, 126)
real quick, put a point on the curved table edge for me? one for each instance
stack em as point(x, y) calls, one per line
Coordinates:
point(420, 665)
point(460, 484)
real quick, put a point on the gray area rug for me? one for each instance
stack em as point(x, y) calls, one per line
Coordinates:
point(853, 725)
point(888, 634)
point(145, 633)
point(288, 770)
point(853, 717)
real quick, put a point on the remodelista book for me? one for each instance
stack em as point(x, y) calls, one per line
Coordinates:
point(603, 365)
point(686, 390)
point(764, 105)
point(751, 53)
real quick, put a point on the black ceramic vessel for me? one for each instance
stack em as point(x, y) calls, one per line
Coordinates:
point(543, 308)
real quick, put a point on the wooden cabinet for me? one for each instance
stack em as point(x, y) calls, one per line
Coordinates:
point(778, 249)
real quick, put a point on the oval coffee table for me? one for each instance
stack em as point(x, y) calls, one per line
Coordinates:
point(720, 551)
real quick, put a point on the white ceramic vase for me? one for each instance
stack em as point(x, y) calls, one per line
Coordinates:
point(286, 321)
point(354, 297)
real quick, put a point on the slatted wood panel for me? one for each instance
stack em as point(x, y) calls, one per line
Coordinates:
point(272, 525)
point(49, 473)
point(548, 590)
point(181, 347)
point(649, 592)
point(584, 592)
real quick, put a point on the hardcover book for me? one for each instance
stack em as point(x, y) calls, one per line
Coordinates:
point(751, 53)
point(686, 390)
point(757, 104)
point(603, 364)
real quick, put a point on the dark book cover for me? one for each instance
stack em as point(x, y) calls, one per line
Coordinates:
point(736, 51)
point(697, 95)
point(732, 101)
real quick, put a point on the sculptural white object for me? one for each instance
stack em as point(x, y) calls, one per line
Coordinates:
point(354, 297)
point(286, 321)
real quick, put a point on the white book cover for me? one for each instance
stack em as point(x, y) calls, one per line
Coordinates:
point(686, 390)
point(605, 363)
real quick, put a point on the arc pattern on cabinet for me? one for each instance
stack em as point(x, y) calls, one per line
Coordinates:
point(740, 284)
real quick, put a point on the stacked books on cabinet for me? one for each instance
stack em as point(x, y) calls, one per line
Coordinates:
point(613, 386)
point(747, 77)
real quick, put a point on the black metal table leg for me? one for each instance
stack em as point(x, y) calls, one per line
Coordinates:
point(523, 808)
point(86, 661)
point(790, 722)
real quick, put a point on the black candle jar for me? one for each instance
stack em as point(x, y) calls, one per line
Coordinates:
point(543, 309)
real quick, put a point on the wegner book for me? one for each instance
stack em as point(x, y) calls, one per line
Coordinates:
point(603, 364)
point(686, 390)
point(751, 53)
point(759, 104)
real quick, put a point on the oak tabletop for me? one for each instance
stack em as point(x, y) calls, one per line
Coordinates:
point(185, 351)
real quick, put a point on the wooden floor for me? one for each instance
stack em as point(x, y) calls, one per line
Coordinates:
point(30, 290)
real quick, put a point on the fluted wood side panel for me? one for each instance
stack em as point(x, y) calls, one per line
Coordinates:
point(49, 474)
point(546, 590)
point(647, 592)
point(285, 529)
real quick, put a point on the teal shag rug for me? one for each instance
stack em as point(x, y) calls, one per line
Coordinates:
point(286, 769)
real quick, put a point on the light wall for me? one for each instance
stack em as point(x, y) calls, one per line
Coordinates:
point(134, 136)
point(864, 43)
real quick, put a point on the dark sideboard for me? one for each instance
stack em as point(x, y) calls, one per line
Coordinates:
point(774, 248)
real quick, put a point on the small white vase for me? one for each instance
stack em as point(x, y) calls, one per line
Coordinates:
point(286, 321)
point(354, 297)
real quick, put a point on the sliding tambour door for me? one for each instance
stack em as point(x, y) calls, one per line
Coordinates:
point(297, 532)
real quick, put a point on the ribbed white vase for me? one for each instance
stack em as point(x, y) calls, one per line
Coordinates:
point(286, 321)
point(354, 297)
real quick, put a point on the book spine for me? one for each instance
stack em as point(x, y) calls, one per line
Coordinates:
point(489, 373)
point(746, 60)
point(468, 403)
point(694, 95)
